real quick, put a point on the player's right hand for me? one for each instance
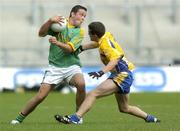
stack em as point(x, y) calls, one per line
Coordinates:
point(57, 19)
point(96, 74)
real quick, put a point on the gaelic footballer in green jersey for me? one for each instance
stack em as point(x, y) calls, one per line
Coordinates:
point(71, 36)
point(64, 64)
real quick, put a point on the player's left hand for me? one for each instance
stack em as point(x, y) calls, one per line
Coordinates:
point(53, 40)
point(96, 74)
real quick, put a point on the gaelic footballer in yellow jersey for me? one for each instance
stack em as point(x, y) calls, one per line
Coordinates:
point(109, 50)
point(112, 55)
point(118, 83)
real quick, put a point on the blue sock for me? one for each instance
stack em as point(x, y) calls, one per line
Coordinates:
point(150, 118)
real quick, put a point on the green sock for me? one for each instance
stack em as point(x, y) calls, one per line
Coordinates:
point(20, 117)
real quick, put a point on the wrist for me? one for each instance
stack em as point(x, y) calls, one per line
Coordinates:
point(50, 21)
point(81, 48)
point(101, 72)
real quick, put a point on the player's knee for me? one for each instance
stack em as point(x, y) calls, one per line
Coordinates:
point(124, 109)
point(93, 94)
point(80, 86)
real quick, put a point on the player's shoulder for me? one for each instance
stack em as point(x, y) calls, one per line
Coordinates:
point(79, 31)
point(82, 31)
point(105, 39)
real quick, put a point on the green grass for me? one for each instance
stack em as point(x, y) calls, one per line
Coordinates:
point(104, 115)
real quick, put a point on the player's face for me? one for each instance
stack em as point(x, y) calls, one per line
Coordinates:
point(93, 37)
point(79, 17)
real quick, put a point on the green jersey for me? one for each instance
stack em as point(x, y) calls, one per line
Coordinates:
point(72, 36)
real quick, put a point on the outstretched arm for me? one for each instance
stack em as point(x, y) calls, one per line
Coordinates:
point(106, 69)
point(88, 46)
point(110, 65)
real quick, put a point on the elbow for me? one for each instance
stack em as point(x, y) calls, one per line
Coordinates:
point(70, 51)
point(41, 34)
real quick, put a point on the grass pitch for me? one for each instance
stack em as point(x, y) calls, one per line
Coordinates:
point(104, 116)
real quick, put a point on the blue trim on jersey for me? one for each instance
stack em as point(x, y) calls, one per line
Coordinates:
point(111, 43)
point(121, 66)
point(124, 86)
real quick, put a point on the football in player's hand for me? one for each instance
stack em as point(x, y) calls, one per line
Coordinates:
point(58, 27)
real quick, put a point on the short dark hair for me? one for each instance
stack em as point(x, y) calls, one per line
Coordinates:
point(96, 28)
point(76, 8)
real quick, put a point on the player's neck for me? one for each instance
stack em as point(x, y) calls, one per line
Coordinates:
point(73, 22)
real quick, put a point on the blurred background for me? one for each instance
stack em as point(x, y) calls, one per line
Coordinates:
point(146, 29)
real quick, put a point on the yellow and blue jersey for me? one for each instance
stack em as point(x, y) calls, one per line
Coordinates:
point(109, 50)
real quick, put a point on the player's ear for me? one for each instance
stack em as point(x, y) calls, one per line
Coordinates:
point(96, 36)
point(72, 14)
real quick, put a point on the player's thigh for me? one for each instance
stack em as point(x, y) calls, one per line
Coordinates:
point(45, 89)
point(107, 87)
point(122, 100)
point(77, 80)
point(74, 76)
point(53, 75)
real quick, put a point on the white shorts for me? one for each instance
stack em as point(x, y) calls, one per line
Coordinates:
point(55, 75)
